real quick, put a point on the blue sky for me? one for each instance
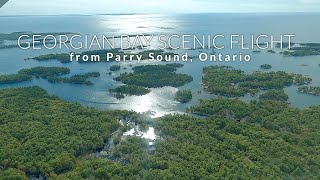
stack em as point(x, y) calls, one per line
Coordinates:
point(52, 7)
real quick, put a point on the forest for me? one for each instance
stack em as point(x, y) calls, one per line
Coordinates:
point(261, 139)
point(154, 76)
point(274, 95)
point(257, 140)
point(183, 96)
point(41, 134)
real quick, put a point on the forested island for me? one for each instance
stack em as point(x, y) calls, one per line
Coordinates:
point(305, 49)
point(45, 72)
point(312, 90)
point(135, 90)
point(14, 78)
point(26, 74)
point(183, 96)
point(75, 79)
point(230, 82)
point(154, 76)
point(52, 74)
point(265, 66)
point(63, 58)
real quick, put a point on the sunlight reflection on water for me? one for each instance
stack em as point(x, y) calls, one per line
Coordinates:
point(150, 135)
point(157, 103)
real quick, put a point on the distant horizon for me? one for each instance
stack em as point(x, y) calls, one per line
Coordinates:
point(124, 14)
point(96, 7)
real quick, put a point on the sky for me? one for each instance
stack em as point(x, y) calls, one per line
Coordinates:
point(56, 7)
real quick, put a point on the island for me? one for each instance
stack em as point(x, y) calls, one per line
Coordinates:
point(63, 58)
point(230, 82)
point(183, 96)
point(75, 79)
point(271, 51)
point(14, 78)
point(312, 90)
point(265, 66)
point(52, 74)
point(130, 90)
point(305, 49)
point(45, 72)
point(155, 76)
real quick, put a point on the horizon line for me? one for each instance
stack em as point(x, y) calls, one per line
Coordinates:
point(124, 14)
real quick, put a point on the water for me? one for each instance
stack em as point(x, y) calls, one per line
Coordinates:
point(161, 100)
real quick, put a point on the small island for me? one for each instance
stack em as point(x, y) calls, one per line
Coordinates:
point(271, 51)
point(265, 66)
point(115, 68)
point(183, 96)
point(312, 90)
point(274, 95)
point(131, 90)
